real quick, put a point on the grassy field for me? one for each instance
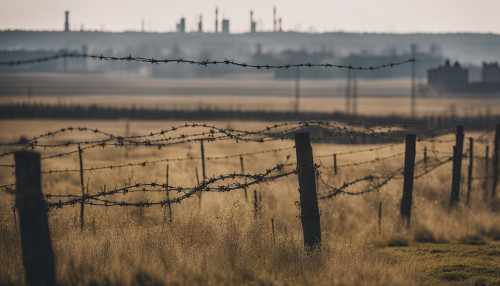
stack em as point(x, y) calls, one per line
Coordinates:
point(220, 242)
point(381, 97)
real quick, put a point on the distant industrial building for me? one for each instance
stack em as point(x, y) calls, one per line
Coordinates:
point(454, 78)
point(200, 25)
point(490, 72)
point(181, 26)
point(225, 26)
point(448, 77)
point(66, 22)
point(253, 24)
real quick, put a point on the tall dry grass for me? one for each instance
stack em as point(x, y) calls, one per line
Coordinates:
point(221, 243)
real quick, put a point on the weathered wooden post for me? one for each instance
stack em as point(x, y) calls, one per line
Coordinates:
point(457, 165)
point(272, 226)
point(406, 200)
point(198, 183)
point(495, 161)
point(203, 161)
point(82, 203)
point(38, 257)
point(486, 172)
point(255, 205)
point(425, 157)
point(335, 163)
point(471, 162)
point(307, 189)
point(168, 199)
point(380, 218)
point(243, 172)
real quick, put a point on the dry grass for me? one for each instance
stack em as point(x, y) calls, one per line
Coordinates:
point(221, 243)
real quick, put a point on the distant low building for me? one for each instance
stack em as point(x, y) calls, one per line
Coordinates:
point(448, 77)
point(225, 26)
point(454, 78)
point(490, 72)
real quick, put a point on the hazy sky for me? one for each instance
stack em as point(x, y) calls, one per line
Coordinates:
point(312, 15)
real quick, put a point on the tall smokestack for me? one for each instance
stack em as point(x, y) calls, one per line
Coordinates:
point(251, 19)
point(281, 30)
point(216, 19)
point(200, 25)
point(66, 23)
point(274, 19)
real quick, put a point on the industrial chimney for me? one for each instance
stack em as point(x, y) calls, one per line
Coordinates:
point(252, 23)
point(66, 23)
point(274, 19)
point(200, 25)
point(216, 19)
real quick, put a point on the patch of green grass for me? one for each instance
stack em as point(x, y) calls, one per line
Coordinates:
point(452, 263)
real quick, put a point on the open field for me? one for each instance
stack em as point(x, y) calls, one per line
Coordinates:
point(223, 241)
point(376, 97)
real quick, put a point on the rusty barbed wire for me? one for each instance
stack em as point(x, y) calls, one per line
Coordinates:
point(9, 188)
point(376, 160)
point(205, 63)
point(260, 136)
point(153, 162)
point(205, 186)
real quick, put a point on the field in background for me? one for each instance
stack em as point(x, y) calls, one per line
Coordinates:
point(220, 242)
point(376, 97)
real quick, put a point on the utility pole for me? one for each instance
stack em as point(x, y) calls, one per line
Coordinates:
point(297, 89)
point(413, 95)
point(348, 92)
point(354, 93)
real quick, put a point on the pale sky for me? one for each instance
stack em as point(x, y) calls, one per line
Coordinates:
point(398, 16)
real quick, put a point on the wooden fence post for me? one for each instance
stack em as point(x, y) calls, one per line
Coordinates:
point(198, 183)
point(243, 172)
point(495, 161)
point(82, 203)
point(425, 157)
point(457, 164)
point(272, 226)
point(38, 257)
point(203, 161)
point(486, 172)
point(335, 163)
point(380, 218)
point(409, 168)
point(307, 189)
point(255, 205)
point(168, 199)
point(471, 162)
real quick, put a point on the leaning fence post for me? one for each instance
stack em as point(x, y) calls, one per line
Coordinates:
point(496, 155)
point(406, 200)
point(471, 162)
point(457, 164)
point(307, 189)
point(243, 172)
point(82, 203)
point(38, 257)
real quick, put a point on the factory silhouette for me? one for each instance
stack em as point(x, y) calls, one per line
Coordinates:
point(225, 24)
point(260, 46)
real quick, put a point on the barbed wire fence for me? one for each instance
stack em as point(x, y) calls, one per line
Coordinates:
point(207, 62)
point(239, 181)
